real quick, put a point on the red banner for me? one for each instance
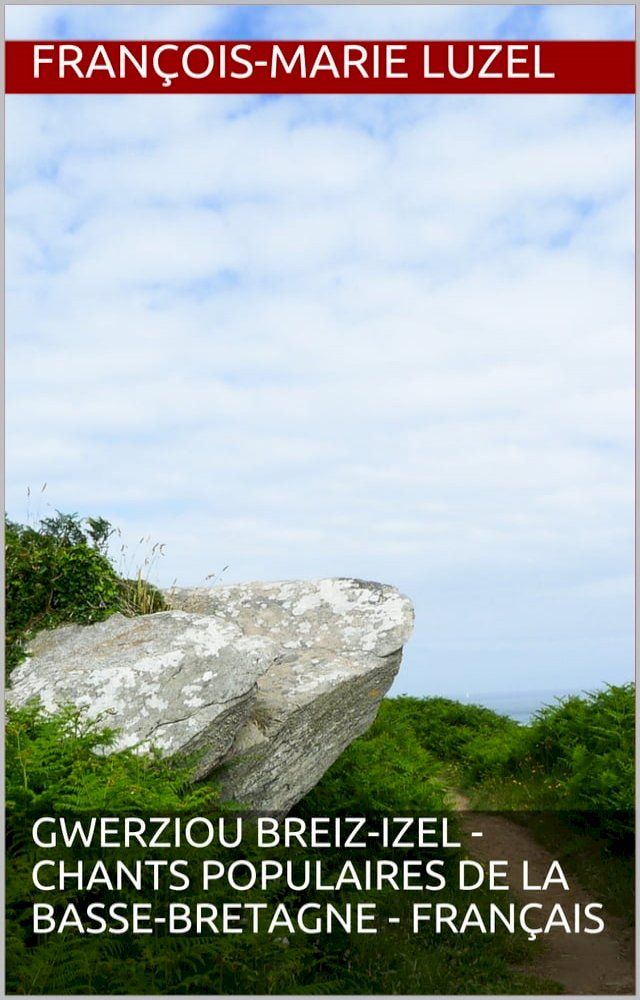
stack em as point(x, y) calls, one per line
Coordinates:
point(318, 67)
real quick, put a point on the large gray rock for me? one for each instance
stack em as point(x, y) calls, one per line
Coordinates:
point(183, 682)
point(269, 681)
point(340, 645)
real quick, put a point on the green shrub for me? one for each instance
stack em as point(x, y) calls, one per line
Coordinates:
point(587, 745)
point(575, 756)
point(450, 730)
point(495, 754)
point(386, 770)
point(60, 573)
point(57, 762)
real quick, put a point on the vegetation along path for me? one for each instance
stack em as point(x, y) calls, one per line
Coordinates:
point(582, 964)
point(570, 768)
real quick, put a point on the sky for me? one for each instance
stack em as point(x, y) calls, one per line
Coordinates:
point(306, 336)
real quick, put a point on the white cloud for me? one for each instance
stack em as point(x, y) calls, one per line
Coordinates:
point(587, 21)
point(409, 21)
point(112, 21)
point(450, 21)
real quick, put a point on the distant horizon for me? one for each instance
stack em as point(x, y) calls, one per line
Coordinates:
point(507, 693)
point(517, 705)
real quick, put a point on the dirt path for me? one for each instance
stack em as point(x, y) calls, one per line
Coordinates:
point(584, 964)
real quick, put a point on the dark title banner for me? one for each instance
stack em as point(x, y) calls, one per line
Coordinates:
point(320, 67)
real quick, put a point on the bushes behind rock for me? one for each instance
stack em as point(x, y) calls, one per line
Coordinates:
point(59, 572)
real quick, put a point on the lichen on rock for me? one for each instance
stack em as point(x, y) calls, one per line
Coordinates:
point(340, 645)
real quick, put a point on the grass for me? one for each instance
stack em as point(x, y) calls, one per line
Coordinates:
point(56, 766)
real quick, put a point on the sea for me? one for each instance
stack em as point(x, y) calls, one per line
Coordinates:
point(521, 705)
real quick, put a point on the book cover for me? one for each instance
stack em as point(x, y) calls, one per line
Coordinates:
point(319, 499)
